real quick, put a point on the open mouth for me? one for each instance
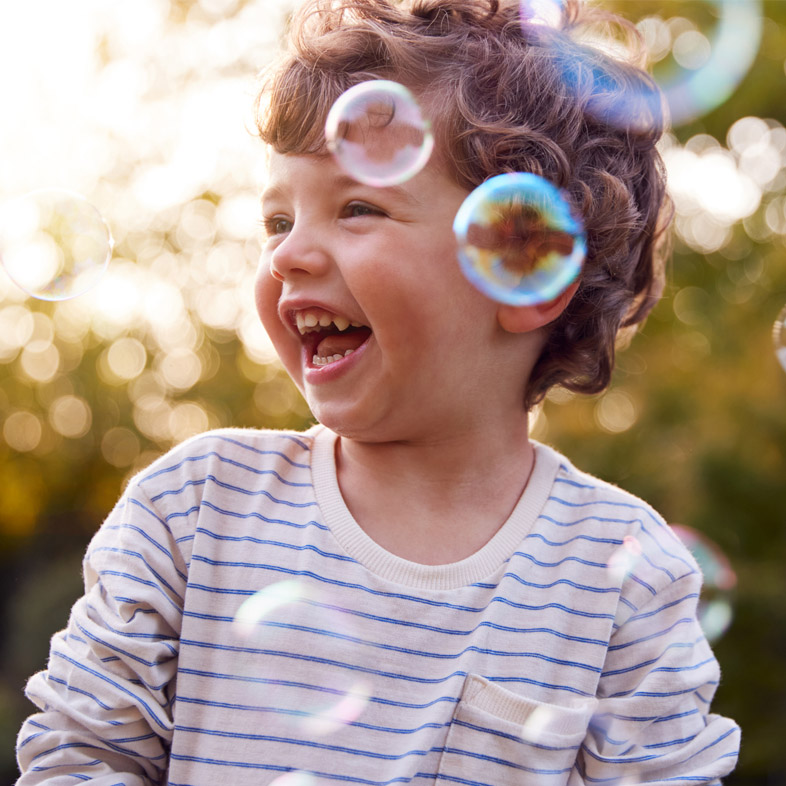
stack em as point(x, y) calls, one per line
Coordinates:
point(329, 337)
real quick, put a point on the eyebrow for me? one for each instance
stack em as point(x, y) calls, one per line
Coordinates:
point(344, 181)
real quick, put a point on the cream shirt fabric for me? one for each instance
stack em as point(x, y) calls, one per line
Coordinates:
point(239, 627)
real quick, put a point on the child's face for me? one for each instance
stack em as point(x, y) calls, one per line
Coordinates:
point(430, 354)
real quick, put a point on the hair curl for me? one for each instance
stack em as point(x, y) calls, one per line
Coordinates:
point(507, 94)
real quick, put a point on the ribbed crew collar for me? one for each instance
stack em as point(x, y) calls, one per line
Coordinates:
point(478, 566)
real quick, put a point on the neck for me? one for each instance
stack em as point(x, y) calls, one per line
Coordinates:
point(478, 455)
point(412, 497)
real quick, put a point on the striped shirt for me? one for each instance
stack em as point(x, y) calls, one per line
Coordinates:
point(240, 627)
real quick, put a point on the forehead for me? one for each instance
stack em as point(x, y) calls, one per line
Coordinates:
point(320, 174)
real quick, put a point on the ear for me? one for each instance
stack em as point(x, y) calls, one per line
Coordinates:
point(525, 319)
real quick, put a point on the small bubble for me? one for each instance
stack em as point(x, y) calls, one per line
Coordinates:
point(624, 559)
point(378, 134)
point(715, 609)
point(518, 241)
point(54, 244)
point(779, 338)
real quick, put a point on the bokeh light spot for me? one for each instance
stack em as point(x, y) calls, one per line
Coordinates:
point(70, 416)
point(120, 446)
point(616, 411)
point(22, 431)
point(124, 360)
point(40, 360)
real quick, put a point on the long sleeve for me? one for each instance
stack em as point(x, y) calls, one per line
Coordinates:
point(106, 696)
point(652, 724)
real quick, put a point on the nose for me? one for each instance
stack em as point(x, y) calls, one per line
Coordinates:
point(300, 252)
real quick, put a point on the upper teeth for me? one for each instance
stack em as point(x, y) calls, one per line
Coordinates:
point(309, 321)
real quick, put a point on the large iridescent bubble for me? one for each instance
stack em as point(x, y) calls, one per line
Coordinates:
point(54, 244)
point(518, 240)
point(378, 133)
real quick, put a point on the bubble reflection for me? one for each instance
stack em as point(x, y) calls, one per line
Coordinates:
point(712, 67)
point(54, 244)
point(378, 134)
point(715, 607)
point(779, 338)
point(518, 240)
point(323, 697)
point(295, 779)
point(624, 559)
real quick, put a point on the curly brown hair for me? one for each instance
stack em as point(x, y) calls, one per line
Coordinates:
point(508, 94)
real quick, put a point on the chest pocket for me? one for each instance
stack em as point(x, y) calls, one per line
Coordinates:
point(499, 738)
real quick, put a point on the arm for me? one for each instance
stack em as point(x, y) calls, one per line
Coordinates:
point(106, 697)
point(653, 723)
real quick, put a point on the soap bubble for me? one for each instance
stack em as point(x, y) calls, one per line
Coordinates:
point(316, 697)
point(706, 65)
point(624, 559)
point(715, 608)
point(378, 134)
point(731, 49)
point(779, 337)
point(54, 244)
point(518, 240)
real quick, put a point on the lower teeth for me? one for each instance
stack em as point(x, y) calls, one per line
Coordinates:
point(320, 361)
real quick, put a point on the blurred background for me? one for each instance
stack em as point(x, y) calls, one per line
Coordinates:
point(145, 110)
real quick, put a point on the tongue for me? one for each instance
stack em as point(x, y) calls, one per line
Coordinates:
point(339, 343)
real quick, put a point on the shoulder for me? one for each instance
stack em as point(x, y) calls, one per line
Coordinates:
point(626, 519)
point(232, 447)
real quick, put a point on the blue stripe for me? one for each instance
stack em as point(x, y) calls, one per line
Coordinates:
point(145, 582)
point(307, 686)
point(278, 768)
point(153, 542)
point(231, 487)
point(513, 737)
point(278, 544)
point(390, 647)
point(307, 743)
point(231, 462)
point(140, 557)
point(305, 714)
point(504, 763)
point(413, 598)
point(422, 626)
point(121, 688)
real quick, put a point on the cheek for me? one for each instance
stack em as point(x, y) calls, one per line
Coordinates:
point(267, 291)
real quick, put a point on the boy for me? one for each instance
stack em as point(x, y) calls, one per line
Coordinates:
point(412, 591)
